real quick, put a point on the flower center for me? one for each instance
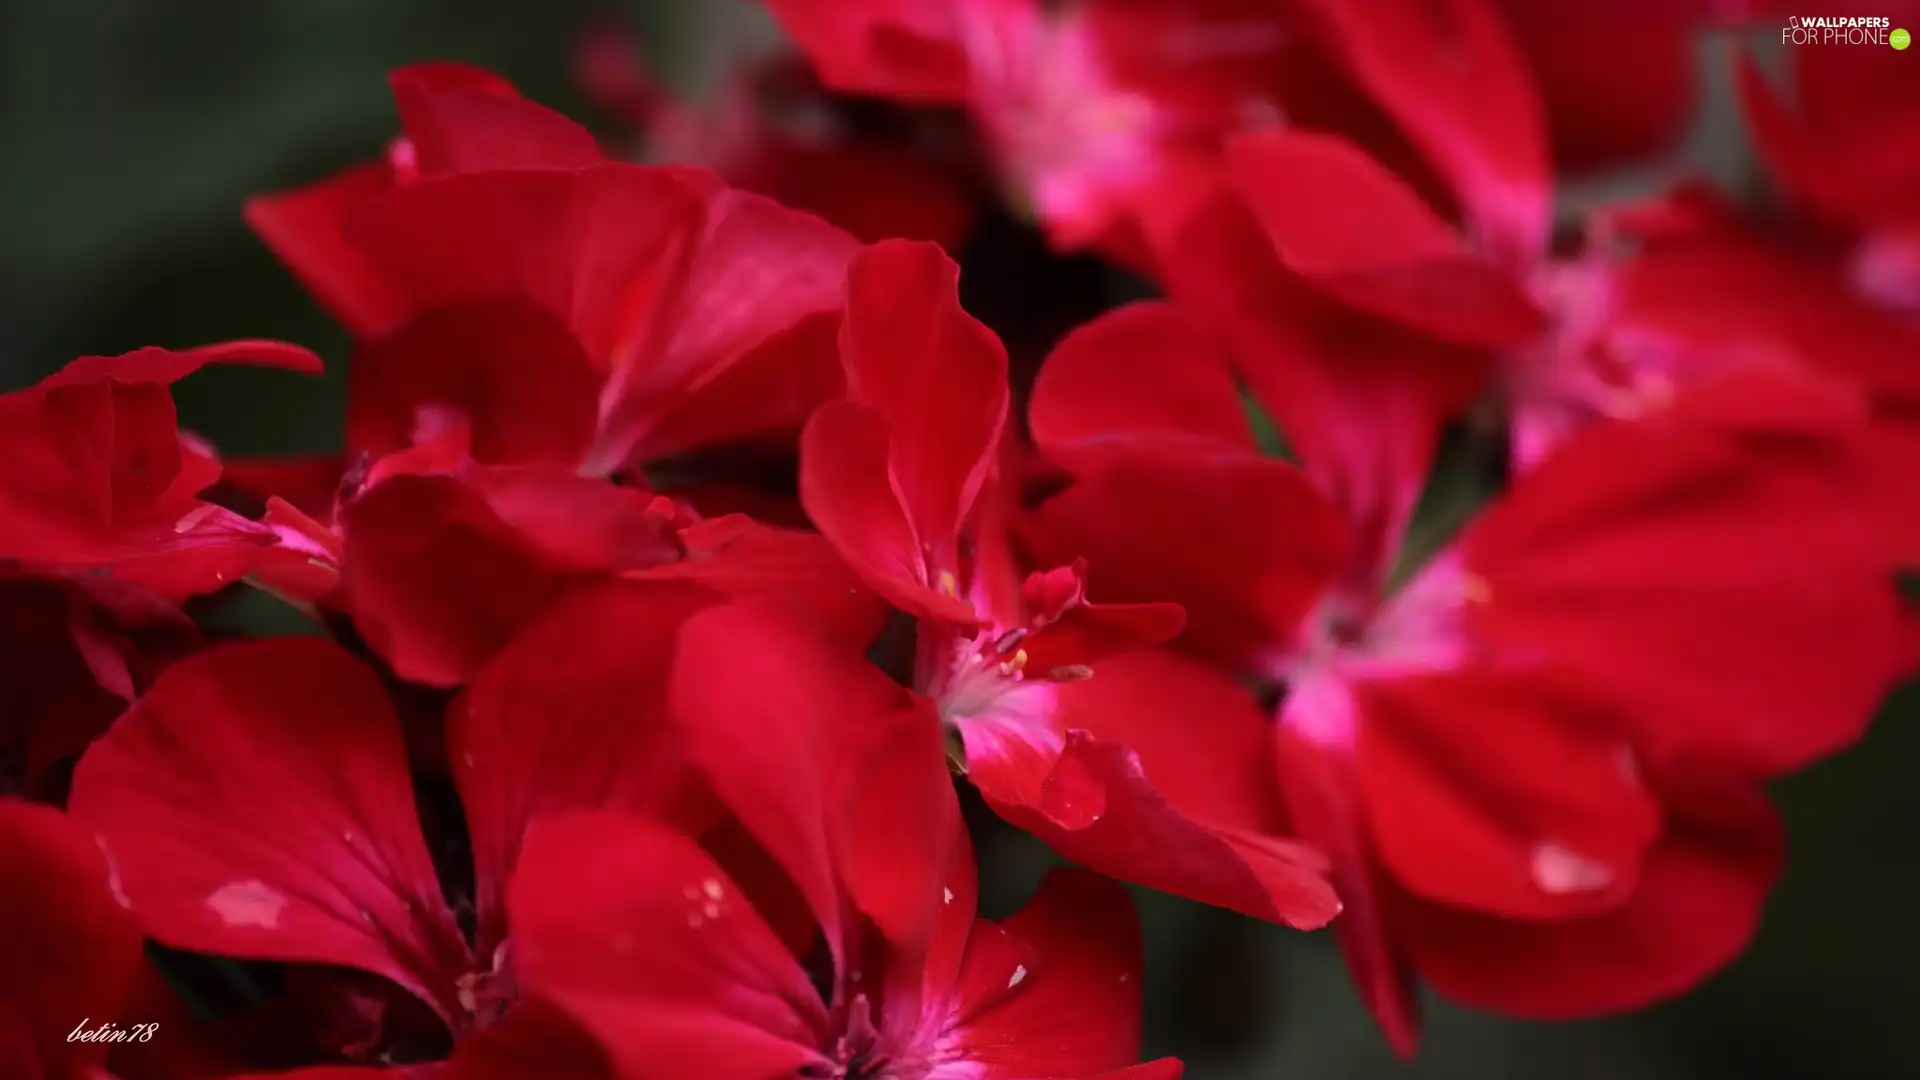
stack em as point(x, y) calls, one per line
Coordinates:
point(1418, 629)
point(979, 673)
point(486, 996)
point(863, 1052)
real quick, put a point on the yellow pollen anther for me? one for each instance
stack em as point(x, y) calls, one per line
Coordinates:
point(948, 584)
point(1015, 664)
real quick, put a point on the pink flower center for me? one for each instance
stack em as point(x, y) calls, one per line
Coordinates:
point(1065, 135)
point(865, 1052)
point(1341, 643)
point(1586, 367)
point(974, 676)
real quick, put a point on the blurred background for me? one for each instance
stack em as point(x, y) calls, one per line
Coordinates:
point(132, 130)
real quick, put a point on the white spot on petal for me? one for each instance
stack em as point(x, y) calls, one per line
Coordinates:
point(1019, 974)
point(1561, 871)
point(949, 893)
point(711, 910)
point(249, 904)
point(194, 517)
point(114, 885)
point(711, 887)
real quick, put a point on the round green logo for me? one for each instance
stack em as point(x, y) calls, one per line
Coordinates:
point(1900, 39)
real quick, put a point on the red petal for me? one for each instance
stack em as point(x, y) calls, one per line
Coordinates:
point(257, 804)
point(738, 340)
point(522, 379)
point(1697, 906)
point(72, 947)
point(1320, 788)
point(766, 709)
point(96, 478)
point(638, 935)
point(1077, 1011)
point(1134, 381)
point(1363, 403)
point(1245, 547)
point(302, 227)
point(169, 366)
point(1453, 77)
point(1089, 633)
point(539, 731)
point(902, 49)
point(738, 557)
point(898, 835)
point(1702, 568)
point(1177, 757)
point(1354, 229)
point(1616, 89)
point(581, 245)
point(934, 372)
point(1486, 793)
point(872, 188)
point(435, 580)
point(534, 1039)
point(464, 119)
point(1847, 157)
point(845, 487)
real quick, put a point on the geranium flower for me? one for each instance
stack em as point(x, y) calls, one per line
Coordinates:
point(596, 315)
point(1098, 116)
point(684, 970)
point(257, 803)
point(900, 477)
point(1545, 735)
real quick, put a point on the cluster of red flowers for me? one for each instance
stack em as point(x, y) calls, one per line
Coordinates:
point(1407, 566)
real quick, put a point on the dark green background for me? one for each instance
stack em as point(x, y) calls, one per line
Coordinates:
point(129, 135)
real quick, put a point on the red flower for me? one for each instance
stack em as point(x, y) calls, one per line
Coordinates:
point(772, 129)
point(1577, 339)
point(99, 479)
point(900, 478)
point(1619, 618)
point(575, 312)
point(258, 804)
point(102, 534)
point(683, 969)
point(1098, 116)
point(523, 304)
